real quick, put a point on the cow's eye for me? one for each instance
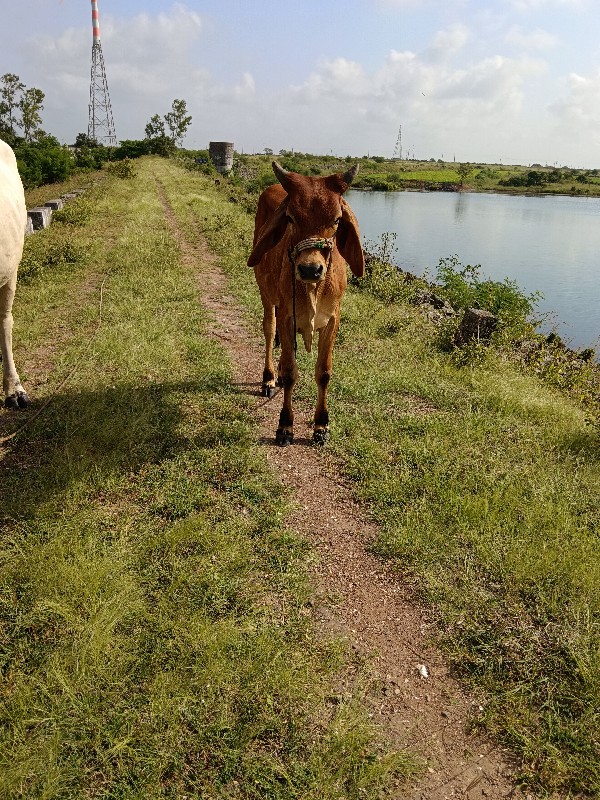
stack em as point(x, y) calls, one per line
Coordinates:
point(338, 220)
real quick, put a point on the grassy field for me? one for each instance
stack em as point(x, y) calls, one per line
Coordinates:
point(486, 484)
point(154, 640)
point(152, 636)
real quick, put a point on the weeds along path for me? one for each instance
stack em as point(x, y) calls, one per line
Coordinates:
point(357, 598)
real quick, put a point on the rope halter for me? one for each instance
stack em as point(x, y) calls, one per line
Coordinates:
point(313, 243)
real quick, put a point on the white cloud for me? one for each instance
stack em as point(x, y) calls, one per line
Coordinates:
point(404, 4)
point(538, 5)
point(448, 43)
point(579, 112)
point(537, 39)
point(440, 103)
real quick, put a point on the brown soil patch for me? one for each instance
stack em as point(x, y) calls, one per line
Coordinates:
point(358, 596)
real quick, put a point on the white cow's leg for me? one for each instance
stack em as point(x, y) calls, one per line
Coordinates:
point(14, 393)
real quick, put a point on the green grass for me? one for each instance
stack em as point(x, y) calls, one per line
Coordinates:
point(485, 482)
point(154, 640)
point(486, 489)
point(132, 581)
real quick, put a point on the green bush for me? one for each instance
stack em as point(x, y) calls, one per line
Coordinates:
point(378, 183)
point(77, 212)
point(44, 161)
point(136, 148)
point(91, 157)
point(382, 278)
point(121, 169)
point(462, 286)
point(48, 249)
point(257, 185)
point(577, 374)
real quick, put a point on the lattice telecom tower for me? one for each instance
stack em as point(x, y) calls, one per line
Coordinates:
point(101, 126)
point(398, 148)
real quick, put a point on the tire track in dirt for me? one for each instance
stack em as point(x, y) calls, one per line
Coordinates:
point(358, 597)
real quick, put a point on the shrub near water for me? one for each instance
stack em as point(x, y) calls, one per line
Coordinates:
point(464, 288)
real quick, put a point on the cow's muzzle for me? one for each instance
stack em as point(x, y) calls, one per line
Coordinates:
point(310, 271)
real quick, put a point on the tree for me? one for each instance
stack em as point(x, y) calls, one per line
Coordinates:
point(10, 87)
point(83, 140)
point(535, 178)
point(30, 105)
point(155, 128)
point(178, 121)
point(463, 170)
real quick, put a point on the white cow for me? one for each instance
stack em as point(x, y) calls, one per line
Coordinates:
point(13, 218)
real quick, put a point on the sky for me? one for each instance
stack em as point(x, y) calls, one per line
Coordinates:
point(495, 81)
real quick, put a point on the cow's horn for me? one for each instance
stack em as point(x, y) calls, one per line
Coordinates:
point(279, 171)
point(285, 178)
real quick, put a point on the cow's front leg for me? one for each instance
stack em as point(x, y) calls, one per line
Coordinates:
point(323, 376)
point(288, 375)
point(14, 393)
point(269, 328)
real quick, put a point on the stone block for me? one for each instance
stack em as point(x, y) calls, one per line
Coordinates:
point(40, 217)
point(55, 204)
point(476, 324)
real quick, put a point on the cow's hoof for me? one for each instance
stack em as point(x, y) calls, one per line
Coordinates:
point(267, 390)
point(283, 437)
point(16, 401)
point(321, 436)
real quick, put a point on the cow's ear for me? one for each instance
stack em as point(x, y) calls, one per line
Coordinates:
point(269, 235)
point(348, 241)
point(339, 183)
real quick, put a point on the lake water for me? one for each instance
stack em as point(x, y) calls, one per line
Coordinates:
point(545, 244)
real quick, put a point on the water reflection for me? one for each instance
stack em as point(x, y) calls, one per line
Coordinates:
point(461, 204)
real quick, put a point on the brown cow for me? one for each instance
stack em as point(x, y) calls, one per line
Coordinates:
point(304, 234)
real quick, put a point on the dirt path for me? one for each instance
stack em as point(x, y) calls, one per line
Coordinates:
point(358, 597)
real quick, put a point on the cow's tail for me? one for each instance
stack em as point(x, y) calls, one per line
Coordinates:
point(277, 341)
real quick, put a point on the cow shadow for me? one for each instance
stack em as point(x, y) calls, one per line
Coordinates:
point(94, 434)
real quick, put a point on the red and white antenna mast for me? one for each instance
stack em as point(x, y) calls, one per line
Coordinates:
point(101, 126)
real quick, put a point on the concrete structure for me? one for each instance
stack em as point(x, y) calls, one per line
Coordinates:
point(40, 217)
point(56, 204)
point(221, 155)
